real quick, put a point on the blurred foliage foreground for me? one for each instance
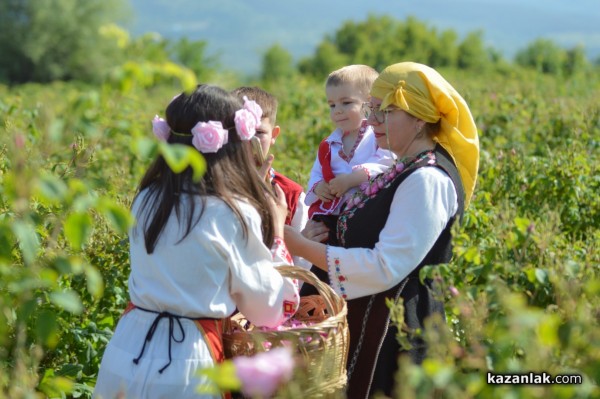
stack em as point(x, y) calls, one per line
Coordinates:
point(522, 294)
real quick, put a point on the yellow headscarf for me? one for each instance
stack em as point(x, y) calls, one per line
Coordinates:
point(424, 93)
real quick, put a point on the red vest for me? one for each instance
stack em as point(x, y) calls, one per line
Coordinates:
point(292, 191)
point(319, 207)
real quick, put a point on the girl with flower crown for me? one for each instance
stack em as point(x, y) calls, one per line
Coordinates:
point(199, 250)
point(399, 222)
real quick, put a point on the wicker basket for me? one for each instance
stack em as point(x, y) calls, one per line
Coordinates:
point(322, 346)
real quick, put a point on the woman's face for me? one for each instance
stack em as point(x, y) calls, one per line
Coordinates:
point(402, 127)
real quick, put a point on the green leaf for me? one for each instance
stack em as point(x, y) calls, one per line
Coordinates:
point(51, 189)
point(179, 157)
point(7, 241)
point(472, 255)
point(541, 275)
point(56, 387)
point(70, 370)
point(67, 265)
point(95, 284)
point(548, 330)
point(118, 217)
point(55, 131)
point(223, 375)
point(47, 328)
point(67, 300)
point(29, 242)
point(78, 228)
point(145, 147)
point(522, 224)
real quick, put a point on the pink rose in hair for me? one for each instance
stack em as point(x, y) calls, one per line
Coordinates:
point(245, 124)
point(254, 109)
point(264, 372)
point(209, 137)
point(160, 128)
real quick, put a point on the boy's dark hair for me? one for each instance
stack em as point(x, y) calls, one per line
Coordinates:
point(266, 100)
point(229, 175)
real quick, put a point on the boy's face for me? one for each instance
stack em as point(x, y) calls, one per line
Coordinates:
point(345, 106)
point(267, 133)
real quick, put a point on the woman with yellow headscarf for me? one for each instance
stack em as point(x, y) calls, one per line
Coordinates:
point(400, 222)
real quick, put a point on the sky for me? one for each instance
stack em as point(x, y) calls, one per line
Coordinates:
point(239, 31)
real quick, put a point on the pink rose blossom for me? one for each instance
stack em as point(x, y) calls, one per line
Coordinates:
point(245, 124)
point(160, 128)
point(254, 109)
point(209, 137)
point(19, 140)
point(264, 372)
point(453, 291)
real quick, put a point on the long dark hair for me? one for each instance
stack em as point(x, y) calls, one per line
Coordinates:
point(230, 174)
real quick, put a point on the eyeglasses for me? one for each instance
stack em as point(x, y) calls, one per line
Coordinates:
point(378, 114)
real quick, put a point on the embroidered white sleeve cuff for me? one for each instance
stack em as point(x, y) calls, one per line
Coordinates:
point(336, 277)
point(280, 252)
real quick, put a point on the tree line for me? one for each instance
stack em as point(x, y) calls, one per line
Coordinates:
point(71, 40)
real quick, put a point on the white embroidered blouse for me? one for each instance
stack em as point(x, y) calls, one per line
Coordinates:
point(214, 270)
point(422, 206)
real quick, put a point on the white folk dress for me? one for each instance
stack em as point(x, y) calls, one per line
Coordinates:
point(209, 274)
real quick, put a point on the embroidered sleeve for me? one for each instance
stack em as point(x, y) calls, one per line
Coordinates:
point(424, 202)
point(336, 277)
point(280, 252)
point(258, 290)
point(316, 175)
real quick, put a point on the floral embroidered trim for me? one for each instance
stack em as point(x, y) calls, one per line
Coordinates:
point(289, 308)
point(370, 188)
point(279, 250)
point(361, 133)
point(337, 273)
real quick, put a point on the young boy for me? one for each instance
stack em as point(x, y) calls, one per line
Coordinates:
point(267, 133)
point(347, 157)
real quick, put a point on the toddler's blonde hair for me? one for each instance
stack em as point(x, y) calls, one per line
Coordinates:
point(360, 76)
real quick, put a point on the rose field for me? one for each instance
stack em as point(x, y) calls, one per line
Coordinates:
point(522, 293)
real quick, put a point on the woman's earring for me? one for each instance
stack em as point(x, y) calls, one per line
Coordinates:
point(419, 131)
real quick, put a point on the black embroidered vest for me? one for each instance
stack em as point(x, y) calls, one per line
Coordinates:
point(373, 366)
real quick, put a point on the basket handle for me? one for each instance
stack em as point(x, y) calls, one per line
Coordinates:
point(332, 300)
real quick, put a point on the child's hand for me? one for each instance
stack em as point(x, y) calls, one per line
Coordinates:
point(316, 231)
point(340, 184)
point(265, 168)
point(343, 182)
point(323, 192)
point(280, 210)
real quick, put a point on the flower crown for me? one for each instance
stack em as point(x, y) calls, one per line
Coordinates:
point(209, 137)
